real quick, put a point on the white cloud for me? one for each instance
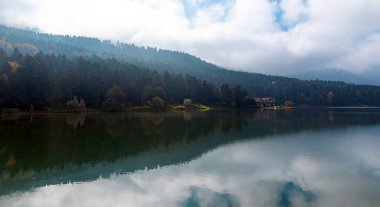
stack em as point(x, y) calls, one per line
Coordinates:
point(237, 34)
point(293, 10)
point(362, 56)
point(205, 17)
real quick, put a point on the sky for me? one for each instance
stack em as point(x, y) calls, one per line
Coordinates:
point(267, 36)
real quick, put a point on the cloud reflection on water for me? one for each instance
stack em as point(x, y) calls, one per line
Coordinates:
point(337, 168)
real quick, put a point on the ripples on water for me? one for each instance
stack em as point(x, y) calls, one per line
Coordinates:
point(324, 157)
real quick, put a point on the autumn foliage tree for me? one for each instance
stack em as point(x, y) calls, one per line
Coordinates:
point(76, 105)
point(158, 103)
point(115, 98)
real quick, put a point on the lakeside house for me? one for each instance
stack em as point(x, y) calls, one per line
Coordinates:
point(265, 101)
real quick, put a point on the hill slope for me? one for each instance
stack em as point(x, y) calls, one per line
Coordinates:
point(301, 92)
point(337, 75)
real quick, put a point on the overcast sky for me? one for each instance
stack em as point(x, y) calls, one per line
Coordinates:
point(269, 36)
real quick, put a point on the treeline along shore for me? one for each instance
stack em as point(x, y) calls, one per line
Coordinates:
point(56, 83)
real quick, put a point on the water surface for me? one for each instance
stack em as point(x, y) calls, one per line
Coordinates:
point(319, 157)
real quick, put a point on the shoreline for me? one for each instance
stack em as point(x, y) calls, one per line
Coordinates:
point(172, 109)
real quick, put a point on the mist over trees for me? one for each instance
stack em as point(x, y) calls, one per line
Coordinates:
point(43, 81)
point(88, 67)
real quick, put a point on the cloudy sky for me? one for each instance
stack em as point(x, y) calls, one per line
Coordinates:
point(270, 36)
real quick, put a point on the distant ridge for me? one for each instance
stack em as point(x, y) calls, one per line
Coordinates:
point(336, 75)
point(301, 92)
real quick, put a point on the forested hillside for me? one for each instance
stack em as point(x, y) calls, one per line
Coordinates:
point(50, 81)
point(178, 64)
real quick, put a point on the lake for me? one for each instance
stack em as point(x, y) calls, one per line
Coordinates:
point(286, 158)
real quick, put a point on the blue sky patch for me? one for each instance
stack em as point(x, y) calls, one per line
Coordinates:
point(191, 8)
point(279, 13)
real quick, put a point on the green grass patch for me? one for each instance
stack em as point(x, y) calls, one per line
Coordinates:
point(202, 107)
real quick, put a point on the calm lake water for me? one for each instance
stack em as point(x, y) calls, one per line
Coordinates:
point(299, 157)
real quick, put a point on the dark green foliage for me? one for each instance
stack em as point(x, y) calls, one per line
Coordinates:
point(3, 56)
point(248, 102)
point(44, 81)
point(26, 81)
point(111, 105)
point(227, 95)
point(150, 92)
point(90, 76)
point(239, 94)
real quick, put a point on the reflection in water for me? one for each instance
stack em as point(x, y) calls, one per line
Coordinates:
point(292, 191)
point(206, 197)
point(75, 119)
point(309, 158)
